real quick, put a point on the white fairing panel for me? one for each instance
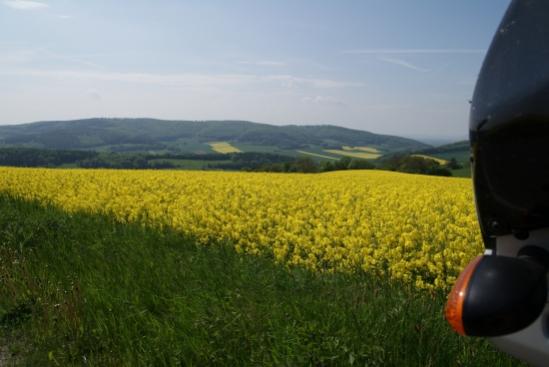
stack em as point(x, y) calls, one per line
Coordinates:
point(531, 344)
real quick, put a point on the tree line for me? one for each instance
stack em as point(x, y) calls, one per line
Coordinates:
point(247, 161)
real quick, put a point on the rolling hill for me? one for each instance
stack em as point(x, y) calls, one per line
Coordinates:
point(460, 151)
point(152, 135)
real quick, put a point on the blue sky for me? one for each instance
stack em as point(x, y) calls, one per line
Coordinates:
point(399, 67)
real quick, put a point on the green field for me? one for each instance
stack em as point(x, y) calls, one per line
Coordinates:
point(364, 149)
point(439, 160)
point(188, 145)
point(259, 148)
point(317, 155)
point(354, 154)
point(462, 172)
point(83, 289)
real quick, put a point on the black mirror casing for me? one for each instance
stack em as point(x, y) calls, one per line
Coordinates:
point(509, 125)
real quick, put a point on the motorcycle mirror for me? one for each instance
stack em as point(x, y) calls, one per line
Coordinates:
point(509, 125)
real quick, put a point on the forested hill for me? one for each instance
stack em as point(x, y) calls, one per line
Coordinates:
point(460, 146)
point(123, 134)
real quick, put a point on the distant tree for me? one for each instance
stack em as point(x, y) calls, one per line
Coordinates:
point(413, 164)
point(327, 166)
point(439, 171)
point(161, 165)
point(287, 166)
point(453, 164)
point(306, 165)
point(343, 163)
point(273, 167)
point(360, 164)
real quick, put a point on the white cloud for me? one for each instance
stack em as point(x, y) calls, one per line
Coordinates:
point(16, 57)
point(25, 4)
point(403, 63)
point(184, 80)
point(381, 51)
point(292, 81)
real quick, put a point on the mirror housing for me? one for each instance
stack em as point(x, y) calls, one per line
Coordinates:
point(509, 125)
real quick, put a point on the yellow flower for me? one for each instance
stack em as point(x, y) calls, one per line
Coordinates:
point(417, 229)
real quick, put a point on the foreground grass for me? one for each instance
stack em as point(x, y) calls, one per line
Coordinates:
point(86, 290)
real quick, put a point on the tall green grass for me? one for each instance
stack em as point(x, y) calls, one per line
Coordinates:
point(80, 289)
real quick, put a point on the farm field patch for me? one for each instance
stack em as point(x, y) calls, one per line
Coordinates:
point(86, 289)
point(364, 149)
point(354, 153)
point(421, 230)
point(438, 160)
point(223, 147)
point(317, 155)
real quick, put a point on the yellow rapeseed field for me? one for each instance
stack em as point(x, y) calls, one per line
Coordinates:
point(223, 147)
point(418, 229)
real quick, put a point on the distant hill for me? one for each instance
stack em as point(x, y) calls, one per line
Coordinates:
point(460, 146)
point(152, 135)
point(460, 151)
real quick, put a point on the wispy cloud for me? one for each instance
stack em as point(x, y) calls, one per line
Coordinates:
point(69, 59)
point(324, 100)
point(291, 81)
point(263, 63)
point(17, 57)
point(25, 4)
point(382, 51)
point(185, 80)
point(403, 63)
point(21, 57)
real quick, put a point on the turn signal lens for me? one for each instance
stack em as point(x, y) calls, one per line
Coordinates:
point(454, 306)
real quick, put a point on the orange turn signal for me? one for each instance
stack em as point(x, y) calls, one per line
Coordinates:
point(454, 306)
point(499, 295)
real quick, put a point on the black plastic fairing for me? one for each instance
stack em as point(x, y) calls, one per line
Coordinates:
point(509, 125)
